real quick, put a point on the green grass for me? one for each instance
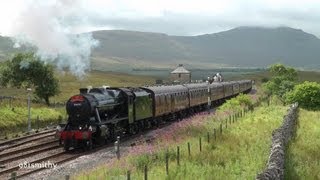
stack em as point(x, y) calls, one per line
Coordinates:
point(303, 155)
point(257, 77)
point(239, 153)
point(14, 120)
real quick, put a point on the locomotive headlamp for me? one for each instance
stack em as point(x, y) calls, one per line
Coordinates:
point(59, 128)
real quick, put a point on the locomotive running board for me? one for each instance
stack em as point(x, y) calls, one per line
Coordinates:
point(113, 121)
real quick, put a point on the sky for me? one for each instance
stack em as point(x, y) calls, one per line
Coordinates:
point(173, 17)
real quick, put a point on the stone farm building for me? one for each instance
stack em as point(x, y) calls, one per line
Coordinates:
point(180, 75)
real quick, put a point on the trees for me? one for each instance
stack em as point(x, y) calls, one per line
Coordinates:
point(307, 94)
point(283, 80)
point(283, 84)
point(26, 70)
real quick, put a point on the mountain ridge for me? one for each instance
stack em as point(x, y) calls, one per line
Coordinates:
point(238, 47)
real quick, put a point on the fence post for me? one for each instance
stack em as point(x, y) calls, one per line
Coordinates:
point(178, 155)
point(226, 123)
point(189, 149)
point(10, 102)
point(200, 145)
point(145, 172)
point(128, 175)
point(13, 176)
point(67, 177)
point(208, 136)
point(38, 118)
point(167, 162)
point(117, 147)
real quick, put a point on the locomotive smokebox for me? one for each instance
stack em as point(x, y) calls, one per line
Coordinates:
point(78, 108)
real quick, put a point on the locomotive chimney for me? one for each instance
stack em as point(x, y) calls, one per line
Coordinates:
point(83, 90)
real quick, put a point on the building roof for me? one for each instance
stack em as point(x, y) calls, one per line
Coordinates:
point(180, 70)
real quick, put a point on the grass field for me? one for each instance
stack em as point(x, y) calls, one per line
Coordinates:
point(239, 153)
point(14, 120)
point(303, 156)
point(257, 77)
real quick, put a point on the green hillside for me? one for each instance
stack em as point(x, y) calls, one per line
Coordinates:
point(121, 50)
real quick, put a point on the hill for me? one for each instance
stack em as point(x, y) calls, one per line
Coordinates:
point(243, 47)
point(121, 50)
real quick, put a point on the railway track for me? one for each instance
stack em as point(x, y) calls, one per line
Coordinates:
point(12, 143)
point(27, 152)
point(56, 158)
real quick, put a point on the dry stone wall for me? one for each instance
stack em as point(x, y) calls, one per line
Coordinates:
point(280, 138)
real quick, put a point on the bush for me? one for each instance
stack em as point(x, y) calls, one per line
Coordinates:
point(306, 94)
point(236, 104)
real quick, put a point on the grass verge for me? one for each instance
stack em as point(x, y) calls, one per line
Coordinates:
point(240, 152)
point(14, 120)
point(303, 157)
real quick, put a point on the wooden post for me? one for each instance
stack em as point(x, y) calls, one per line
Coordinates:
point(178, 155)
point(145, 172)
point(13, 176)
point(10, 102)
point(128, 175)
point(117, 147)
point(67, 177)
point(226, 123)
point(38, 118)
point(167, 162)
point(208, 136)
point(200, 145)
point(189, 149)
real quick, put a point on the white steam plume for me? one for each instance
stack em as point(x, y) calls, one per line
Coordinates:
point(48, 26)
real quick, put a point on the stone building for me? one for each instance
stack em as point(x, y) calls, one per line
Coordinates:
point(180, 75)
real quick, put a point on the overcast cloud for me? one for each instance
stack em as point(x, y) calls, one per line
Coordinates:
point(175, 17)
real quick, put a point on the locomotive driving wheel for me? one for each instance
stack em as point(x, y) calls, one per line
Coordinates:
point(66, 145)
point(133, 129)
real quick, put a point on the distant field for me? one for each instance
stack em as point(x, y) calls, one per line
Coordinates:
point(69, 85)
point(258, 76)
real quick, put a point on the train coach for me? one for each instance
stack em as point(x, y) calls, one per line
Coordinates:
point(98, 115)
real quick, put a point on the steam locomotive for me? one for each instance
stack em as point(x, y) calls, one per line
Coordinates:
point(98, 115)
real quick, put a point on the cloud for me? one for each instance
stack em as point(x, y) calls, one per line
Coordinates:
point(194, 17)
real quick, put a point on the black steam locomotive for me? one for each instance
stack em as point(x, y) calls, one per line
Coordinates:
point(98, 115)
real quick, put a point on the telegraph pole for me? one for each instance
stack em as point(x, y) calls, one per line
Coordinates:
point(209, 98)
point(29, 106)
